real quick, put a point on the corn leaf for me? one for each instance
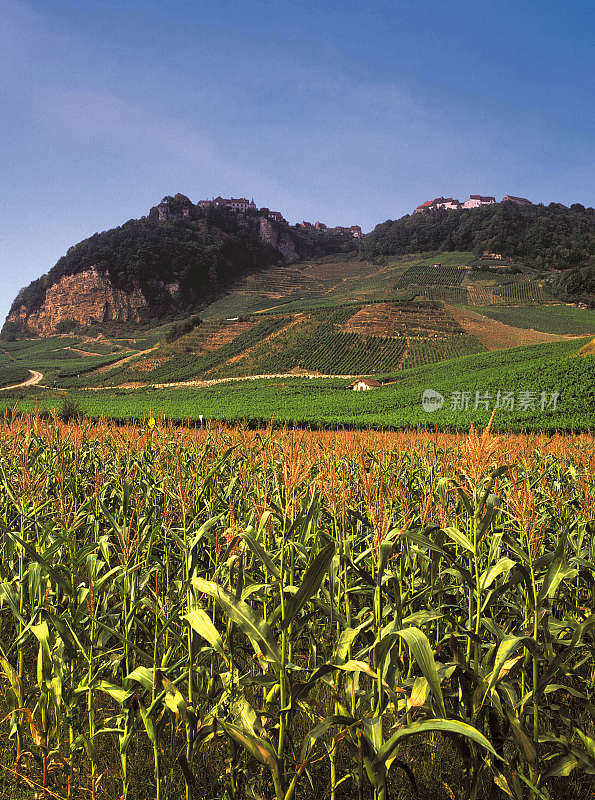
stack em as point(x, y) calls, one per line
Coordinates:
point(422, 653)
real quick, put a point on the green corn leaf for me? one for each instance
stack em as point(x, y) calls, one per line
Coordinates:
point(561, 767)
point(311, 583)
point(383, 647)
point(445, 725)
point(422, 653)
point(149, 728)
point(346, 639)
point(261, 554)
point(505, 649)
point(259, 748)
point(119, 694)
point(557, 571)
point(201, 623)
point(13, 678)
point(320, 730)
point(521, 736)
point(419, 693)
point(44, 656)
point(490, 575)
point(588, 743)
point(460, 538)
point(142, 675)
point(246, 716)
point(244, 617)
point(173, 698)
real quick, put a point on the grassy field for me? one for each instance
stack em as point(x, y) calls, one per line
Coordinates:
point(540, 368)
point(547, 318)
point(221, 613)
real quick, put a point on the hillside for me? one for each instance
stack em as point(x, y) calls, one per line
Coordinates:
point(327, 316)
point(321, 402)
point(178, 258)
point(544, 237)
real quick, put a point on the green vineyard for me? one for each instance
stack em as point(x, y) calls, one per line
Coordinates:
point(436, 275)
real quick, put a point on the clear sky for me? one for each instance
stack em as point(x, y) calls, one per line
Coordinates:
point(347, 112)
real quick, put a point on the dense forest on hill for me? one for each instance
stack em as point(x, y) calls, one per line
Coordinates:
point(204, 252)
point(545, 237)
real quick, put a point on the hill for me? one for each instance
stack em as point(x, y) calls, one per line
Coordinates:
point(178, 258)
point(544, 237)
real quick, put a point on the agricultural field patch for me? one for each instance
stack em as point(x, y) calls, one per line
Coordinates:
point(560, 319)
point(435, 275)
point(11, 374)
point(546, 367)
point(495, 334)
point(410, 320)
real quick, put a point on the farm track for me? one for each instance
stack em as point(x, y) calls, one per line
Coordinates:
point(83, 352)
point(200, 384)
point(126, 359)
point(234, 359)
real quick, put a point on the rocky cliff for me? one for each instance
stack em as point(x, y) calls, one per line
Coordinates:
point(84, 298)
point(176, 259)
point(278, 238)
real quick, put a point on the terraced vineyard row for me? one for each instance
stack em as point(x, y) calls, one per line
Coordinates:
point(428, 351)
point(279, 282)
point(482, 296)
point(209, 336)
point(421, 275)
point(449, 294)
point(522, 292)
point(402, 319)
point(163, 367)
point(11, 374)
point(349, 353)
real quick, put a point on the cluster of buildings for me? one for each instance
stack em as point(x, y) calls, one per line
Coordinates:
point(180, 206)
point(241, 205)
point(474, 201)
point(352, 230)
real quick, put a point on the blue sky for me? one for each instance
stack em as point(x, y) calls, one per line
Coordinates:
point(347, 112)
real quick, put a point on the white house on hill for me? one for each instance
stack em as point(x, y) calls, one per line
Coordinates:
point(364, 384)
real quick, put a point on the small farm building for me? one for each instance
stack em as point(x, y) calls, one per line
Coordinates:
point(364, 384)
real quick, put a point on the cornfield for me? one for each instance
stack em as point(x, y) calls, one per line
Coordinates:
point(225, 613)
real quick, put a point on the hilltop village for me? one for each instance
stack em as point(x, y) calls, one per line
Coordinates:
point(474, 201)
point(241, 205)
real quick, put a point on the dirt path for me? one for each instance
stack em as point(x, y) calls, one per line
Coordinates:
point(83, 352)
point(33, 380)
point(279, 332)
point(200, 384)
point(126, 359)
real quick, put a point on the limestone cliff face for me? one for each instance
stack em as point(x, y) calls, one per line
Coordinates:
point(279, 239)
point(85, 297)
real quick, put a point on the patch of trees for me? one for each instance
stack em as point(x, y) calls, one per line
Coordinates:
point(544, 237)
point(578, 284)
point(179, 329)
